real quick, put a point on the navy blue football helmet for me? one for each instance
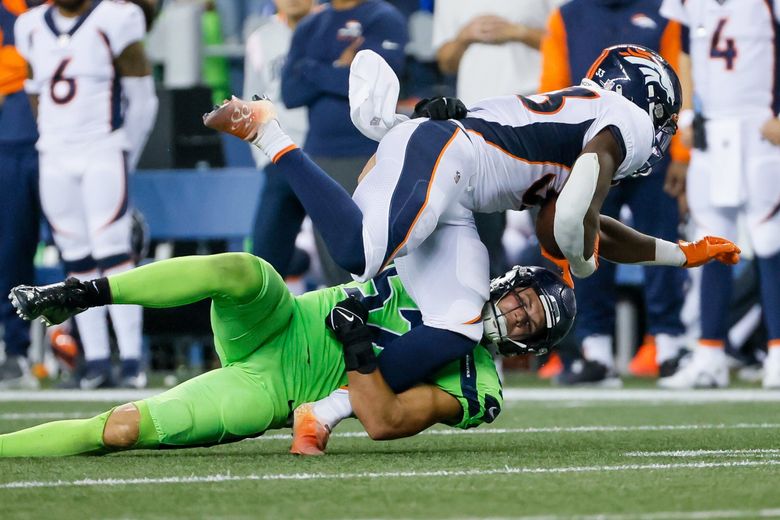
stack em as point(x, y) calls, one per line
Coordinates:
point(558, 303)
point(645, 78)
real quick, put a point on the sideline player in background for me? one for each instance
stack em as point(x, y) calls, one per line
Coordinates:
point(96, 103)
point(732, 50)
point(577, 32)
point(279, 213)
point(416, 201)
point(316, 75)
point(19, 207)
point(276, 353)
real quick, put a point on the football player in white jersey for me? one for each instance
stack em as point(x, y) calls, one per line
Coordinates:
point(416, 201)
point(731, 49)
point(96, 103)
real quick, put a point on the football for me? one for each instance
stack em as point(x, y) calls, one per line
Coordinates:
point(544, 227)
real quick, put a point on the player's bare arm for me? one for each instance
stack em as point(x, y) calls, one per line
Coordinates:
point(132, 62)
point(386, 415)
point(33, 97)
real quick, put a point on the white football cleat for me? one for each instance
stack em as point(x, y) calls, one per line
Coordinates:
point(706, 369)
point(771, 378)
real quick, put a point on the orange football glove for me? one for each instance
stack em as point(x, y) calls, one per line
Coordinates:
point(709, 248)
point(562, 264)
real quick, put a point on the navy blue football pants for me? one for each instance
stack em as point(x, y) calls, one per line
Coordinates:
point(655, 213)
point(19, 225)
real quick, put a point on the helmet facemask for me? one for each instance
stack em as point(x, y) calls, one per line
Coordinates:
point(495, 321)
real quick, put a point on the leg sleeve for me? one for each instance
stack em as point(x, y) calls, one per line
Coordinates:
point(224, 405)
point(240, 328)
point(56, 439)
point(250, 302)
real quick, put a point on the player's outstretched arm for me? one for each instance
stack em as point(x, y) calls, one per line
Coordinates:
point(622, 244)
point(384, 414)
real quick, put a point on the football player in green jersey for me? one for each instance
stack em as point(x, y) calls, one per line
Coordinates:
point(277, 353)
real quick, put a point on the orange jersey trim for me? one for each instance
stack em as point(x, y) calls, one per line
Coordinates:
point(498, 147)
point(774, 343)
point(711, 343)
point(425, 202)
point(474, 320)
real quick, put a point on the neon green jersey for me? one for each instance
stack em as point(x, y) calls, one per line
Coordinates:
point(316, 364)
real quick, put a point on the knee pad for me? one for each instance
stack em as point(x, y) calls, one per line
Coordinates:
point(240, 422)
point(175, 421)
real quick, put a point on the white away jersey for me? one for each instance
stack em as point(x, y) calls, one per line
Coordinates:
point(733, 48)
point(80, 97)
point(526, 145)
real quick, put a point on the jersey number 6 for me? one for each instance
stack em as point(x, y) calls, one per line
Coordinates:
point(62, 94)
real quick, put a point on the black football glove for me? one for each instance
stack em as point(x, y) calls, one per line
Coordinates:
point(440, 108)
point(349, 322)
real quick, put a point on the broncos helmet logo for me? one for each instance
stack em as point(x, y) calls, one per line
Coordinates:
point(655, 74)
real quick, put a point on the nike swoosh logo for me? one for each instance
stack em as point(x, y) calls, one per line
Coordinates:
point(346, 316)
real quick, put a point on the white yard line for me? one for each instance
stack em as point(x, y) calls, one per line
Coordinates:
point(560, 429)
point(507, 470)
point(703, 453)
point(636, 395)
point(510, 395)
point(665, 515)
point(45, 415)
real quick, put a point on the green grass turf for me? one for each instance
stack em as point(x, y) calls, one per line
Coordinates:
point(634, 491)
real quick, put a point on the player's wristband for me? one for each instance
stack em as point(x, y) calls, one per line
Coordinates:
point(359, 350)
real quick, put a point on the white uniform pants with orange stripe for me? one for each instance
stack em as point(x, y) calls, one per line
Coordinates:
point(412, 215)
point(738, 173)
point(84, 197)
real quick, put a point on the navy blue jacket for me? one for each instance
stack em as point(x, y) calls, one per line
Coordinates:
point(310, 79)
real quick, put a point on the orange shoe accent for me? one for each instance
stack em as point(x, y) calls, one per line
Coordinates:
point(644, 364)
point(39, 371)
point(552, 368)
point(310, 437)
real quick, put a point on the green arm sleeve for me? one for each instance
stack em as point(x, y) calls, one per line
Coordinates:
point(473, 381)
